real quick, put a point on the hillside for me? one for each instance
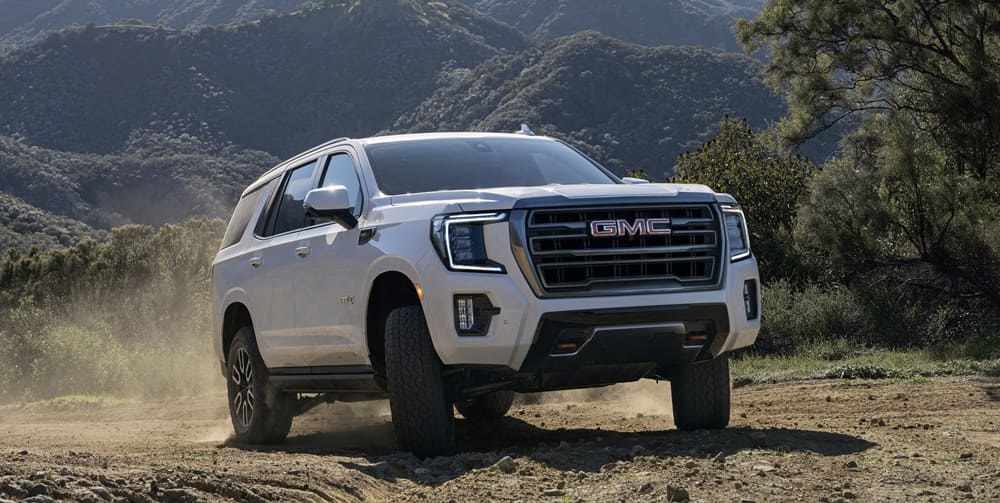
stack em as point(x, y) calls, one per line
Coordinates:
point(277, 85)
point(648, 22)
point(26, 21)
point(704, 23)
point(23, 226)
point(155, 180)
point(630, 106)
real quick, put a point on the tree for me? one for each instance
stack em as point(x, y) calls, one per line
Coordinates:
point(638, 173)
point(769, 186)
point(918, 185)
point(889, 204)
point(935, 60)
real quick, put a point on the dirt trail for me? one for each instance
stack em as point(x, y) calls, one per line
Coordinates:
point(814, 441)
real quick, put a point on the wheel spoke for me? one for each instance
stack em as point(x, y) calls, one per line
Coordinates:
point(246, 412)
point(248, 372)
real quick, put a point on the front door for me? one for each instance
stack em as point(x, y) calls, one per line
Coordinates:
point(329, 303)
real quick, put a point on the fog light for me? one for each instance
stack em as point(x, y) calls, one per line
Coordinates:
point(473, 314)
point(750, 298)
point(465, 313)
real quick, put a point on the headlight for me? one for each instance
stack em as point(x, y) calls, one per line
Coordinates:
point(459, 241)
point(736, 232)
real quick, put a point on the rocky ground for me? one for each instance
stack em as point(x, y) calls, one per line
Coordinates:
point(936, 440)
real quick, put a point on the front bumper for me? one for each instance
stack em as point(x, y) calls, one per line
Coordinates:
point(621, 323)
point(604, 346)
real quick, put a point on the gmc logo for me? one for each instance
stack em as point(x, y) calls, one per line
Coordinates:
point(621, 228)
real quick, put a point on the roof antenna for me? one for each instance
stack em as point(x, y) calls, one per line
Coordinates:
point(526, 131)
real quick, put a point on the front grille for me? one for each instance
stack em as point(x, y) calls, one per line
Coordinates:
point(566, 259)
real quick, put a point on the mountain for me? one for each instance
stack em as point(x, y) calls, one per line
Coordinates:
point(25, 21)
point(705, 23)
point(105, 126)
point(154, 180)
point(277, 84)
point(630, 106)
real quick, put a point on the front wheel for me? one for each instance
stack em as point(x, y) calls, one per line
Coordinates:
point(488, 407)
point(421, 413)
point(260, 413)
point(700, 394)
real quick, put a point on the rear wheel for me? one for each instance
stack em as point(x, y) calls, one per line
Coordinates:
point(260, 413)
point(421, 413)
point(700, 394)
point(487, 407)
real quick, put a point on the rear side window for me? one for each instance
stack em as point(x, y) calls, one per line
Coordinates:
point(241, 217)
point(288, 212)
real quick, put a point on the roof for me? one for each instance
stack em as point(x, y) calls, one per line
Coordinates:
point(375, 140)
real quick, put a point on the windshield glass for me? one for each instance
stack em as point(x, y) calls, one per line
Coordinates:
point(412, 166)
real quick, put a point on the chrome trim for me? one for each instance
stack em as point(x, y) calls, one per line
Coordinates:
point(520, 246)
point(678, 327)
point(736, 210)
point(483, 218)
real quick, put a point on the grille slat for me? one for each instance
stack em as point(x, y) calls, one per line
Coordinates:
point(584, 252)
point(567, 260)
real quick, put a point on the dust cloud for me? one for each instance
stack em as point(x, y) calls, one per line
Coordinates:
point(645, 396)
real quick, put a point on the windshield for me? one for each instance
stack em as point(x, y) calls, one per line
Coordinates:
point(411, 166)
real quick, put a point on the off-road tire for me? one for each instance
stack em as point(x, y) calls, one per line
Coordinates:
point(488, 407)
point(700, 394)
point(421, 413)
point(270, 413)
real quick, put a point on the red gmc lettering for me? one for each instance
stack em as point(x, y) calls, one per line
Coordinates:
point(640, 227)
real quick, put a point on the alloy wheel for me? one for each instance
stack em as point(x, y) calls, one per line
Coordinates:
point(243, 399)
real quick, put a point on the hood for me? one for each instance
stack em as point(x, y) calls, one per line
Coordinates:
point(505, 198)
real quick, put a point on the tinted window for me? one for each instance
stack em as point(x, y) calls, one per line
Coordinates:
point(241, 217)
point(289, 213)
point(340, 171)
point(475, 163)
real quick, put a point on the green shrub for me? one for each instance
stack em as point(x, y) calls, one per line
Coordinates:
point(794, 317)
point(127, 317)
point(77, 359)
point(982, 345)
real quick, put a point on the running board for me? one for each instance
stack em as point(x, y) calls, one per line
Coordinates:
point(326, 383)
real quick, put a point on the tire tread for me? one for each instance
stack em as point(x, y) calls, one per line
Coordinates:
point(422, 416)
point(701, 395)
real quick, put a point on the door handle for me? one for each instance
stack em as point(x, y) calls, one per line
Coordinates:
point(302, 251)
point(255, 262)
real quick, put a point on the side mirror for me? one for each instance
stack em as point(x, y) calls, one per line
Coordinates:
point(634, 181)
point(330, 203)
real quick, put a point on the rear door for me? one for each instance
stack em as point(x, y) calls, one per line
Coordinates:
point(329, 303)
point(275, 260)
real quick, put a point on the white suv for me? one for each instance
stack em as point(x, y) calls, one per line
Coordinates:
point(443, 270)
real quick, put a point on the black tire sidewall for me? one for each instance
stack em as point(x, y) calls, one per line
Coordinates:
point(271, 416)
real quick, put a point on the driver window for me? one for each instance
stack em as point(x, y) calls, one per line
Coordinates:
point(340, 171)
